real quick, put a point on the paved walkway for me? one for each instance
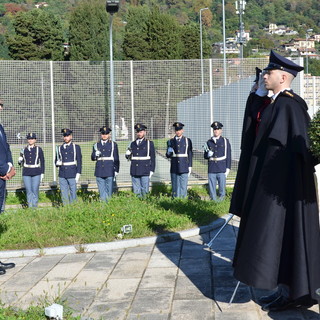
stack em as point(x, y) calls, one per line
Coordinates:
point(173, 280)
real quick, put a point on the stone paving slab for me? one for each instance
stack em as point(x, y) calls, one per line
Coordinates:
point(173, 280)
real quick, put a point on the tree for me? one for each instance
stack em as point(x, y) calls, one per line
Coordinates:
point(88, 30)
point(163, 36)
point(135, 43)
point(38, 36)
point(151, 35)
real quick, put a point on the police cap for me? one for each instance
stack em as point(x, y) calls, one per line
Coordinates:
point(105, 130)
point(216, 125)
point(31, 135)
point(178, 126)
point(140, 127)
point(278, 62)
point(66, 132)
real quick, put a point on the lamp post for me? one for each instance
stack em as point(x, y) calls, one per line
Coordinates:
point(307, 53)
point(224, 43)
point(240, 7)
point(112, 6)
point(201, 53)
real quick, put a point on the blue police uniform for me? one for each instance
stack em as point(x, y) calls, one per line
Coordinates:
point(218, 154)
point(143, 158)
point(180, 152)
point(71, 164)
point(71, 158)
point(5, 159)
point(33, 166)
point(107, 156)
point(143, 162)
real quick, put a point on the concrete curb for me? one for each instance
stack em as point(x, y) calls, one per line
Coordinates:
point(121, 244)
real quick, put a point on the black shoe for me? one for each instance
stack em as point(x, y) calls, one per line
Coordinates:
point(280, 304)
point(7, 265)
point(2, 271)
point(271, 297)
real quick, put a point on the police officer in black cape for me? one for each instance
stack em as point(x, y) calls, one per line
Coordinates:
point(278, 244)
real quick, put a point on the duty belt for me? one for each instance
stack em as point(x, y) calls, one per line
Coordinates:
point(180, 155)
point(141, 158)
point(31, 165)
point(73, 163)
point(105, 158)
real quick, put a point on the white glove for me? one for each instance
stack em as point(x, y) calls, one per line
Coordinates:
point(210, 153)
point(128, 152)
point(116, 173)
point(41, 177)
point(170, 150)
point(151, 173)
point(58, 163)
point(262, 91)
point(227, 172)
point(20, 160)
point(98, 153)
point(77, 177)
point(190, 169)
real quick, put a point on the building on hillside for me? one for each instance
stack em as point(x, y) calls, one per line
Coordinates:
point(41, 5)
point(300, 46)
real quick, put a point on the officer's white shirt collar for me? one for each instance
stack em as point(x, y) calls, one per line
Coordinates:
point(215, 138)
point(30, 147)
point(104, 142)
point(67, 144)
point(139, 141)
point(275, 95)
point(178, 138)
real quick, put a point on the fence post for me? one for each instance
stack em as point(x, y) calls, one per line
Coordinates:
point(52, 122)
point(211, 93)
point(132, 100)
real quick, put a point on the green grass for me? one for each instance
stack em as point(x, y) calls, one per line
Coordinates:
point(89, 220)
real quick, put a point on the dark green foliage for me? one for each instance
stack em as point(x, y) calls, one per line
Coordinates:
point(135, 43)
point(38, 36)
point(88, 33)
point(314, 134)
point(151, 35)
point(314, 67)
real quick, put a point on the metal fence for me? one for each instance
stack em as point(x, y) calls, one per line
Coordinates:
point(44, 97)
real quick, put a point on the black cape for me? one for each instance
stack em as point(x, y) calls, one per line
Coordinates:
point(279, 234)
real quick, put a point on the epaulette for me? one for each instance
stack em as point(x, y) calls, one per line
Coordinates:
point(288, 93)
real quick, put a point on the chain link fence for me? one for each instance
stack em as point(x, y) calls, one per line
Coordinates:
point(44, 97)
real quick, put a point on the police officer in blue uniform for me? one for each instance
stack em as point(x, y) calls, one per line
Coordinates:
point(105, 153)
point(69, 161)
point(7, 170)
point(218, 152)
point(179, 150)
point(142, 154)
point(32, 160)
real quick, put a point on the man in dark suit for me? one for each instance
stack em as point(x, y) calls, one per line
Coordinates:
point(7, 171)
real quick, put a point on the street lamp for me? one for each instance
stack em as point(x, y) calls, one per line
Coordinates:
point(112, 6)
point(224, 43)
point(201, 53)
point(307, 53)
point(240, 7)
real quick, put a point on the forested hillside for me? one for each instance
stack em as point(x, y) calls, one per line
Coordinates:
point(148, 29)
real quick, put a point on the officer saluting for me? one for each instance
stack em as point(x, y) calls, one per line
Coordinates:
point(179, 150)
point(32, 160)
point(218, 152)
point(69, 161)
point(105, 152)
point(142, 154)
